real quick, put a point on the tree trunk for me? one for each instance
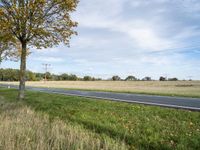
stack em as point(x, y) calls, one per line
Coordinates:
point(22, 75)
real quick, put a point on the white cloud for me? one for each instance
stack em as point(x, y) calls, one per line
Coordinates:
point(46, 51)
point(144, 36)
point(88, 42)
point(49, 59)
point(139, 3)
point(144, 33)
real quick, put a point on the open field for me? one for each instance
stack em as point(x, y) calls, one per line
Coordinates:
point(170, 88)
point(140, 127)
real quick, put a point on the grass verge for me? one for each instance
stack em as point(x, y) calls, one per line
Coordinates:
point(22, 128)
point(141, 127)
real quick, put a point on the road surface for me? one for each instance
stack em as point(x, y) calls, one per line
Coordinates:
point(163, 101)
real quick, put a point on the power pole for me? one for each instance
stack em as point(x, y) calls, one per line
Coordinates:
point(46, 70)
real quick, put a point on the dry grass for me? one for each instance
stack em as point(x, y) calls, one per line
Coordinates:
point(176, 88)
point(23, 129)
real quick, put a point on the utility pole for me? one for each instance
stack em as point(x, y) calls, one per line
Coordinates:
point(46, 69)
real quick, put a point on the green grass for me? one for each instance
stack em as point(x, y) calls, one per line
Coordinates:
point(141, 127)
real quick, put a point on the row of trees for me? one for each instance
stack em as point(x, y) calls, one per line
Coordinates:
point(167, 79)
point(133, 78)
point(13, 75)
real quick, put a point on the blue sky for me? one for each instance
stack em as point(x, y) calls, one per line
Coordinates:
point(128, 37)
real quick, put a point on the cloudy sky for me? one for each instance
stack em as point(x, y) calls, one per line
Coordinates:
point(128, 37)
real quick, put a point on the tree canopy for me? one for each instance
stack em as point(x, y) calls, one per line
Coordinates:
point(131, 78)
point(40, 23)
point(116, 78)
point(6, 50)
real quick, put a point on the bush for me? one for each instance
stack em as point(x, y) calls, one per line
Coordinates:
point(173, 79)
point(147, 79)
point(162, 79)
point(131, 78)
point(116, 78)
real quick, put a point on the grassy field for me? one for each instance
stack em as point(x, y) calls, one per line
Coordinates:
point(170, 88)
point(138, 126)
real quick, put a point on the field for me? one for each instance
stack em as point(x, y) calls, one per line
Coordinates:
point(170, 88)
point(74, 123)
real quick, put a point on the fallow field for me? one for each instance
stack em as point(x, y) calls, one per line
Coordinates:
point(169, 88)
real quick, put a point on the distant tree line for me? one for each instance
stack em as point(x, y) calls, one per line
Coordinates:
point(167, 79)
point(130, 78)
point(13, 75)
point(133, 78)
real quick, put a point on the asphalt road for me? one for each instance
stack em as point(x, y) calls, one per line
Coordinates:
point(163, 101)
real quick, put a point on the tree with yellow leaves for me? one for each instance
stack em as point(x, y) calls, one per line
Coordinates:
point(34, 23)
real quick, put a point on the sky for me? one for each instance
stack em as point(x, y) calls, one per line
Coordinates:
point(128, 37)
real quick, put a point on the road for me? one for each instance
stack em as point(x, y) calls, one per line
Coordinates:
point(163, 101)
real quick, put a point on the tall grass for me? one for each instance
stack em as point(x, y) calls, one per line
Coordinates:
point(23, 129)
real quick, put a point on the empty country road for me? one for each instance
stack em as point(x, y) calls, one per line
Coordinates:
point(163, 101)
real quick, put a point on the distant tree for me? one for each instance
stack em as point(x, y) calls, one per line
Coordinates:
point(55, 77)
point(73, 77)
point(34, 23)
point(87, 78)
point(98, 79)
point(30, 76)
point(70, 77)
point(173, 79)
point(131, 78)
point(147, 79)
point(64, 76)
point(9, 75)
point(39, 76)
point(48, 76)
point(162, 78)
point(116, 78)
point(13, 75)
point(1, 74)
